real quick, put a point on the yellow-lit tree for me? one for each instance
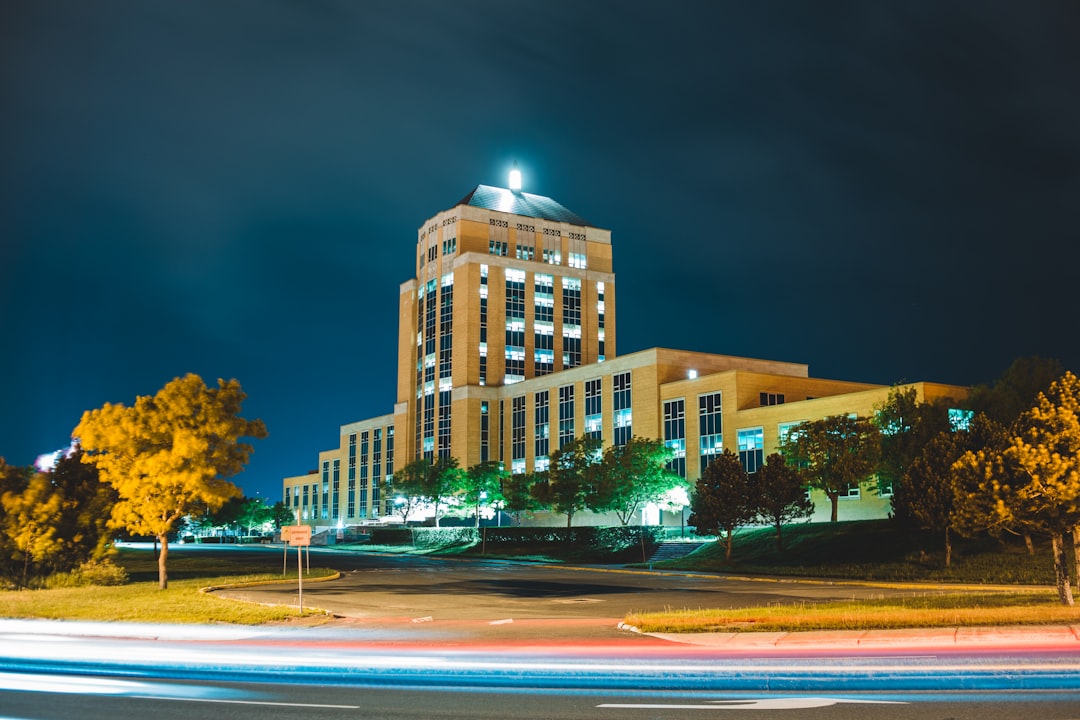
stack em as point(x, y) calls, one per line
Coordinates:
point(169, 454)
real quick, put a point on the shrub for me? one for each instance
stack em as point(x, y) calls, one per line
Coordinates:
point(93, 572)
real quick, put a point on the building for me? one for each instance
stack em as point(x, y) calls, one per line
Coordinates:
point(506, 350)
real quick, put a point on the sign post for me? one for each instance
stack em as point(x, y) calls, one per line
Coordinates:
point(300, 536)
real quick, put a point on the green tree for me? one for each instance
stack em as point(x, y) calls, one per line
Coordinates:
point(517, 494)
point(634, 475)
point(835, 453)
point(778, 493)
point(169, 454)
point(281, 515)
point(571, 479)
point(905, 426)
point(483, 483)
point(721, 502)
point(927, 491)
point(425, 482)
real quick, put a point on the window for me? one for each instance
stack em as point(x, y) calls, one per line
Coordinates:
point(751, 442)
point(675, 434)
point(543, 324)
point(786, 431)
point(515, 326)
point(541, 425)
point(571, 318)
point(577, 260)
point(768, 399)
point(517, 435)
point(594, 418)
point(485, 432)
point(566, 414)
point(335, 498)
point(376, 470)
point(600, 334)
point(622, 403)
point(365, 440)
point(483, 323)
point(350, 509)
point(960, 419)
point(710, 429)
point(388, 499)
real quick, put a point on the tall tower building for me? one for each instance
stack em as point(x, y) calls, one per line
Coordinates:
point(509, 286)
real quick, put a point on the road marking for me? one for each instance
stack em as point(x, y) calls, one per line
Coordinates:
point(795, 703)
point(507, 621)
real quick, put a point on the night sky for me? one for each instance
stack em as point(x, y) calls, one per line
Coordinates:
point(886, 191)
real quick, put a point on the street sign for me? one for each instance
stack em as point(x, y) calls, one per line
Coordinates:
point(298, 535)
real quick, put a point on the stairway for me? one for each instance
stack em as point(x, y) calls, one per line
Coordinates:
point(674, 549)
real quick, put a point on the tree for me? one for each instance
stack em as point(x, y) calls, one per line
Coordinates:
point(779, 495)
point(721, 502)
point(835, 453)
point(633, 475)
point(170, 454)
point(517, 494)
point(424, 482)
point(927, 491)
point(1030, 481)
point(905, 426)
point(483, 482)
point(281, 515)
point(31, 516)
point(86, 508)
point(1046, 447)
point(570, 484)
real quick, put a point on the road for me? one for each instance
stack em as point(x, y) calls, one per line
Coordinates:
point(494, 599)
point(437, 638)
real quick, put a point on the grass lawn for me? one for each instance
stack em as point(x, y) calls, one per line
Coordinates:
point(141, 601)
point(946, 610)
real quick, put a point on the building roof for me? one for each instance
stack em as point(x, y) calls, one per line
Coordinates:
point(520, 203)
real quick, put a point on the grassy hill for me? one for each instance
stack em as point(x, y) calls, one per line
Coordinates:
point(874, 550)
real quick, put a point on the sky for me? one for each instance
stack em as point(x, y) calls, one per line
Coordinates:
point(885, 191)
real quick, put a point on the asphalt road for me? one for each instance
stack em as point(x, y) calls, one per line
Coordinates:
point(493, 599)
point(438, 638)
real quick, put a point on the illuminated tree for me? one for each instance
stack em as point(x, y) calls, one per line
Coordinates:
point(835, 454)
point(169, 455)
point(425, 482)
point(517, 493)
point(571, 479)
point(779, 495)
point(721, 502)
point(482, 483)
point(634, 475)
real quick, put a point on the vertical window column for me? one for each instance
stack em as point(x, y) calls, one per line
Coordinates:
point(675, 434)
point(544, 324)
point(571, 322)
point(483, 323)
point(594, 418)
point(485, 432)
point(600, 334)
point(515, 326)
point(542, 442)
point(335, 494)
point(350, 508)
point(364, 444)
point(376, 471)
point(517, 435)
point(566, 414)
point(389, 498)
point(710, 429)
point(622, 401)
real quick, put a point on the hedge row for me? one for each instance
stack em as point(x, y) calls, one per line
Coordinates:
point(607, 538)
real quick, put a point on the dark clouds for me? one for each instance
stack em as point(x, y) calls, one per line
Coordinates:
point(881, 190)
